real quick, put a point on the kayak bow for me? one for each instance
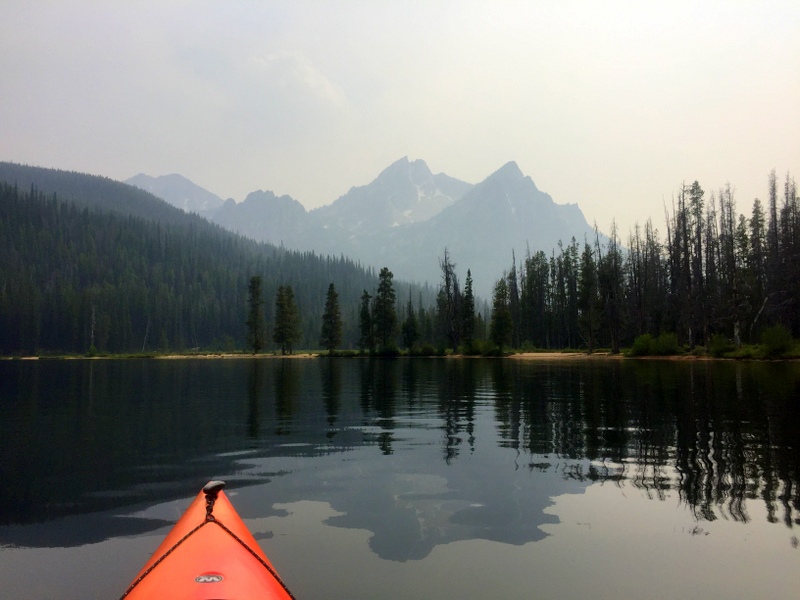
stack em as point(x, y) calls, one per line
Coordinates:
point(209, 553)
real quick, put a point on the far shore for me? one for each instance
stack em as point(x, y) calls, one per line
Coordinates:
point(526, 356)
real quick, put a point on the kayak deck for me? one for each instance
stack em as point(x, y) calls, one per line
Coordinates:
point(208, 554)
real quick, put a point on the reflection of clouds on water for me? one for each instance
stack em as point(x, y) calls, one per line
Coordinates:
point(413, 459)
point(412, 501)
point(634, 430)
point(411, 513)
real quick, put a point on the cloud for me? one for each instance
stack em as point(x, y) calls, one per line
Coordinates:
point(611, 105)
point(283, 93)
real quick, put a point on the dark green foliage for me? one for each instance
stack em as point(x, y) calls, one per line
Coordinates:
point(366, 342)
point(502, 325)
point(388, 351)
point(342, 354)
point(468, 312)
point(642, 345)
point(104, 267)
point(152, 276)
point(716, 274)
point(448, 304)
point(477, 348)
point(426, 349)
point(255, 315)
point(410, 327)
point(286, 330)
point(610, 283)
point(96, 193)
point(665, 344)
point(384, 313)
point(331, 336)
point(514, 302)
point(719, 346)
point(588, 299)
point(537, 318)
point(776, 341)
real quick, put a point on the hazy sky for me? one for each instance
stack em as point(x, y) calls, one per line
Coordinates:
point(608, 104)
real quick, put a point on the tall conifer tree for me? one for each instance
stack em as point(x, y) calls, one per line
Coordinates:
point(367, 340)
point(255, 315)
point(588, 298)
point(287, 320)
point(384, 314)
point(501, 325)
point(331, 336)
point(468, 312)
point(410, 326)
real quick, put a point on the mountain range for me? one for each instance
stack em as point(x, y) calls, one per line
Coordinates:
point(404, 219)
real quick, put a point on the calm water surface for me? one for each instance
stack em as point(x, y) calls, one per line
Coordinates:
point(437, 478)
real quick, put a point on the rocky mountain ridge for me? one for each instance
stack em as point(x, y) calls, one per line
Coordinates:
point(406, 217)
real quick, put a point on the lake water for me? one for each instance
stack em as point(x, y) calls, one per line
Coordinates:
point(411, 478)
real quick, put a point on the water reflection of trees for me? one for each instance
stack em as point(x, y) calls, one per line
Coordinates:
point(456, 406)
point(87, 436)
point(718, 434)
point(331, 384)
point(378, 389)
point(255, 389)
point(287, 389)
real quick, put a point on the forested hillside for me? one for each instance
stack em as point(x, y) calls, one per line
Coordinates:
point(715, 278)
point(118, 270)
point(95, 192)
point(74, 278)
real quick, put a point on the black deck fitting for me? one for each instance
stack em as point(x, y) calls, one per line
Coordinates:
point(213, 488)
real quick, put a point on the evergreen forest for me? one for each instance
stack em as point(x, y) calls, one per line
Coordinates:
point(90, 275)
point(90, 265)
point(714, 279)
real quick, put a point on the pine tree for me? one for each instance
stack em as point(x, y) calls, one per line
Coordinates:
point(255, 315)
point(501, 326)
point(384, 314)
point(699, 298)
point(535, 300)
point(331, 336)
point(287, 320)
point(367, 340)
point(758, 254)
point(410, 326)
point(468, 312)
point(610, 282)
point(448, 303)
point(513, 302)
point(588, 298)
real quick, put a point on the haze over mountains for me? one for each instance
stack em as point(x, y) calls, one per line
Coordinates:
point(178, 191)
point(404, 219)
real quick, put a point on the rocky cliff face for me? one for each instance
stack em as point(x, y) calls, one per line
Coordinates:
point(407, 216)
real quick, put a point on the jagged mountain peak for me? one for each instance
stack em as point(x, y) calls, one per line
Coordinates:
point(416, 171)
point(510, 170)
point(406, 216)
point(178, 191)
point(263, 216)
point(509, 176)
point(404, 192)
point(508, 186)
point(268, 196)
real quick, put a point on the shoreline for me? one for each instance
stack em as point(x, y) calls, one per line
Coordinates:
point(524, 356)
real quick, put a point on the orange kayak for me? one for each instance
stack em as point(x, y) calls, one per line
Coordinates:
point(209, 553)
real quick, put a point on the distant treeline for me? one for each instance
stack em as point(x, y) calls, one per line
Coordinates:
point(715, 277)
point(81, 273)
point(78, 279)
